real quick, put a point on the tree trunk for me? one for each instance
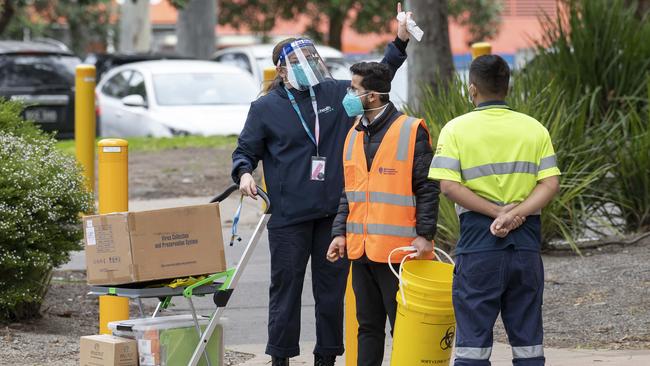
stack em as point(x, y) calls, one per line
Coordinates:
point(429, 62)
point(6, 14)
point(135, 27)
point(195, 29)
point(335, 32)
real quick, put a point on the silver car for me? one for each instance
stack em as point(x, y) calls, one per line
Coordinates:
point(174, 97)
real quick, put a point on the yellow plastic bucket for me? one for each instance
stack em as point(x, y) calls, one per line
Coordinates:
point(425, 324)
point(422, 338)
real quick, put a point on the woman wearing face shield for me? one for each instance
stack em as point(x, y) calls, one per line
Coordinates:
point(298, 130)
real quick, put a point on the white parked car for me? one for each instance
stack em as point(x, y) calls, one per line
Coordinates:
point(174, 97)
point(256, 58)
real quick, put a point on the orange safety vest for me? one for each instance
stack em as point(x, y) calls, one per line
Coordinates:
point(381, 201)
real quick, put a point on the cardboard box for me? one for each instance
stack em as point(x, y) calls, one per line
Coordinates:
point(108, 350)
point(152, 245)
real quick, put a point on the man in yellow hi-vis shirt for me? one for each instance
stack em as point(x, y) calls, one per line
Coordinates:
point(499, 167)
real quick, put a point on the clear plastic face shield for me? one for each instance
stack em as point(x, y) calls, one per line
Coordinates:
point(305, 67)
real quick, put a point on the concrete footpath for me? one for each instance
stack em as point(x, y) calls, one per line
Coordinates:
point(245, 319)
point(501, 356)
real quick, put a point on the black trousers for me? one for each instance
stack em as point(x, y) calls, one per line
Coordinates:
point(291, 248)
point(375, 288)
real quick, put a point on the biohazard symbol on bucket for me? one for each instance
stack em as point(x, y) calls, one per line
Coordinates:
point(448, 340)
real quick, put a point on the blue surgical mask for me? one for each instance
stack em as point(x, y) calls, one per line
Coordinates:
point(352, 105)
point(301, 77)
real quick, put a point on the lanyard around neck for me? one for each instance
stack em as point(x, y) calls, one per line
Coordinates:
point(314, 105)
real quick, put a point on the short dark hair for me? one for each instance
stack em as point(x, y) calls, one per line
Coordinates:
point(490, 74)
point(376, 77)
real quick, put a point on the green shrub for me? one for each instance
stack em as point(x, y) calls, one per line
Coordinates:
point(41, 197)
point(12, 123)
point(600, 49)
point(630, 186)
point(596, 45)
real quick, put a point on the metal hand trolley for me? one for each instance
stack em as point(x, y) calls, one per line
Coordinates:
point(221, 290)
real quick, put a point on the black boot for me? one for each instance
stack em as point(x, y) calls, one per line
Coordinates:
point(279, 361)
point(324, 360)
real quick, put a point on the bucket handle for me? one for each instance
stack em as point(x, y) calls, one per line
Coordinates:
point(402, 282)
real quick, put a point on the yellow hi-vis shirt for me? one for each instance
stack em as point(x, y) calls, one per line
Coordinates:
point(496, 152)
point(500, 155)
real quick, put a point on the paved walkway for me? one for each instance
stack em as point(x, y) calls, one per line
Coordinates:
point(501, 356)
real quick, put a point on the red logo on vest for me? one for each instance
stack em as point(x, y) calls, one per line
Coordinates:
point(387, 171)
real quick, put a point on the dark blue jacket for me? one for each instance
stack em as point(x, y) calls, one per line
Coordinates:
point(274, 134)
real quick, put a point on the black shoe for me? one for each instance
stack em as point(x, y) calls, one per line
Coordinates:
point(324, 360)
point(279, 361)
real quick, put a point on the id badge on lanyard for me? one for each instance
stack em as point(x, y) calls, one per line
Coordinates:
point(318, 168)
point(318, 163)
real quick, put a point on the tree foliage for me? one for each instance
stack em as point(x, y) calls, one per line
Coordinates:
point(87, 20)
point(481, 17)
point(327, 18)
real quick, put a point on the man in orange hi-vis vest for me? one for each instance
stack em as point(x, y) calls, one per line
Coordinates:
point(388, 202)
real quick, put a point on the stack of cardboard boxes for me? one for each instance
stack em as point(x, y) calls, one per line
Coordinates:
point(147, 246)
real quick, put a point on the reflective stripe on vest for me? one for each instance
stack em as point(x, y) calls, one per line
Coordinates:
point(382, 229)
point(392, 199)
point(356, 196)
point(444, 162)
point(381, 197)
point(548, 162)
point(392, 230)
point(405, 138)
point(524, 167)
point(353, 138)
point(354, 228)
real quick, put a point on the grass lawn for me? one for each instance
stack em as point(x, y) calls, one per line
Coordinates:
point(164, 143)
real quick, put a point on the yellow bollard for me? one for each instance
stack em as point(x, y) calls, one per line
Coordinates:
point(269, 74)
point(113, 175)
point(84, 121)
point(113, 197)
point(112, 308)
point(480, 49)
point(351, 324)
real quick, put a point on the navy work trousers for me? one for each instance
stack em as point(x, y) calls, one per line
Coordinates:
point(510, 282)
point(291, 248)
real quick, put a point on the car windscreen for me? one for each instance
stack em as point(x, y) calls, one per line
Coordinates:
point(203, 89)
point(37, 71)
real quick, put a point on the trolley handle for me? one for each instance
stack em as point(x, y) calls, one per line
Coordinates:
point(235, 187)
